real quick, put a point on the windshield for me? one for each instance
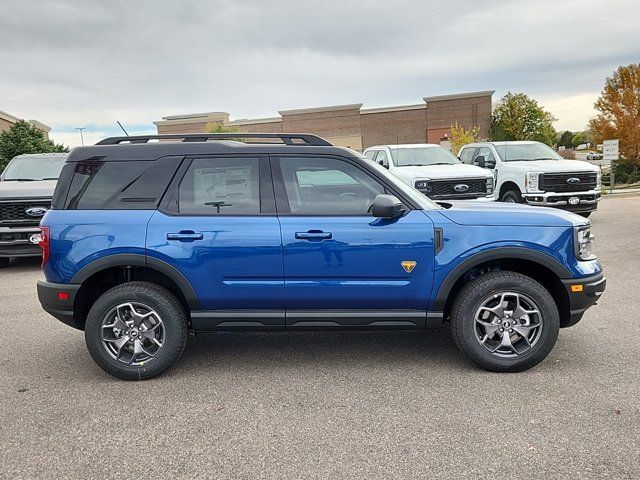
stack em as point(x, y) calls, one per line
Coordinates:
point(420, 156)
point(34, 168)
point(526, 152)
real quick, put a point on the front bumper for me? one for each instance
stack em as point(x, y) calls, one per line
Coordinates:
point(587, 201)
point(583, 293)
point(57, 299)
point(15, 242)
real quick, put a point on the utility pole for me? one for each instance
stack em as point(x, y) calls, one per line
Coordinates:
point(80, 129)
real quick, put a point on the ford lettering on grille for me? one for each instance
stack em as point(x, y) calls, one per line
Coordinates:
point(573, 180)
point(461, 187)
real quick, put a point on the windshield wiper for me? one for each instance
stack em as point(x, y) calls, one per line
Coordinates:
point(19, 180)
point(544, 158)
point(50, 178)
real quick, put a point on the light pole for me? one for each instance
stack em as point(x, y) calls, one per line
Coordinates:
point(80, 129)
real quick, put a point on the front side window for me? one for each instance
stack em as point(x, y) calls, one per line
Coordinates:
point(487, 154)
point(370, 154)
point(466, 155)
point(421, 156)
point(327, 186)
point(220, 186)
point(382, 158)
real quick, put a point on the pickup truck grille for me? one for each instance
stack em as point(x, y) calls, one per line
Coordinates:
point(560, 182)
point(15, 213)
point(437, 189)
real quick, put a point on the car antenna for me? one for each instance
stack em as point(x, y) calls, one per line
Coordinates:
point(120, 125)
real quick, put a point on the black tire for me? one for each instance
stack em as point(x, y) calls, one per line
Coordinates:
point(585, 214)
point(4, 262)
point(512, 196)
point(157, 298)
point(471, 298)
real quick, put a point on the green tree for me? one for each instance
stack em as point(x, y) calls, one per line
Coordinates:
point(578, 139)
point(219, 127)
point(565, 139)
point(23, 138)
point(460, 136)
point(619, 112)
point(518, 117)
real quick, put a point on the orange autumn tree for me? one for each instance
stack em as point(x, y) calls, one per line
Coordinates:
point(619, 112)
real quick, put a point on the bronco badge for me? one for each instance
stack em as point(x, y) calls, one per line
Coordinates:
point(408, 265)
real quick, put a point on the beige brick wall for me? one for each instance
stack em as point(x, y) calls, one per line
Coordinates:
point(468, 112)
point(4, 125)
point(405, 126)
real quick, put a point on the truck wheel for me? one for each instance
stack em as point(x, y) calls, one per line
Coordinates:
point(4, 262)
point(505, 321)
point(136, 330)
point(511, 196)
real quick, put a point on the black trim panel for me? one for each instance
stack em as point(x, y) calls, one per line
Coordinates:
point(414, 319)
point(212, 320)
point(592, 289)
point(60, 309)
point(495, 254)
point(121, 259)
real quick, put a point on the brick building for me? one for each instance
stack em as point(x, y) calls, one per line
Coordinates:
point(7, 120)
point(356, 127)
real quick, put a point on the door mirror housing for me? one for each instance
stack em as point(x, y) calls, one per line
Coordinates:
point(387, 206)
point(480, 161)
point(384, 164)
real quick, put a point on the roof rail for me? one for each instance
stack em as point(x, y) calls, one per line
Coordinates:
point(287, 138)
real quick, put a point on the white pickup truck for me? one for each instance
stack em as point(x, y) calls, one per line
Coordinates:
point(533, 173)
point(434, 171)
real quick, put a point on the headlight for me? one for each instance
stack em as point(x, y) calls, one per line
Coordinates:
point(598, 180)
point(422, 185)
point(532, 181)
point(490, 185)
point(584, 243)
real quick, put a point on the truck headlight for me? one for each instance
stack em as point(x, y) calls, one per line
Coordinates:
point(598, 180)
point(422, 185)
point(532, 181)
point(584, 240)
point(490, 185)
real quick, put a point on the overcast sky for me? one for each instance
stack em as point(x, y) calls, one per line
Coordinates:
point(89, 63)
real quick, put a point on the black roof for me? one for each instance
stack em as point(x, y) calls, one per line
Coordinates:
point(142, 148)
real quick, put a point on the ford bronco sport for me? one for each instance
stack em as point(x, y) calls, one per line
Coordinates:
point(149, 241)
point(26, 187)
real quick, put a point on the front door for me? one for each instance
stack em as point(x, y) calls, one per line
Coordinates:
point(342, 266)
point(220, 230)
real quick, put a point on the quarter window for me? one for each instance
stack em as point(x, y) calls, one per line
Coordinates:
point(327, 186)
point(220, 186)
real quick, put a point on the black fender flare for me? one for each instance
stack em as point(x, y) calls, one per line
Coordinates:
point(139, 260)
point(500, 253)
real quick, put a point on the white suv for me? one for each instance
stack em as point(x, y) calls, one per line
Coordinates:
point(434, 171)
point(533, 173)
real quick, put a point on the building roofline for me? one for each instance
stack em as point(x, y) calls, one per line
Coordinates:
point(8, 117)
point(399, 108)
point(251, 121)
point(185, 116)
point(455, 96)
point(298, 111)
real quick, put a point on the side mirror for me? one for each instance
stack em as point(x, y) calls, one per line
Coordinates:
point(383, 163)
point(480, 161)
point(386, 206)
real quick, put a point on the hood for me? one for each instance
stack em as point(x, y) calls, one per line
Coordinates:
point(437, 172)
point(25, 190)
point(501, 214)
point(554, 166)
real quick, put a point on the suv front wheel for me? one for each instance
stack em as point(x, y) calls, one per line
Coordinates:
point(505, 321)
point(136, 330)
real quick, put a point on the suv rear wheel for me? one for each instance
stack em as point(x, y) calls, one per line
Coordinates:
point(136, 330)
point(505, 321)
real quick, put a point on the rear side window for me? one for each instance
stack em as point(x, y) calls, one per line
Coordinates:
point(136, 185)
point(370, 154)
point(220, 186)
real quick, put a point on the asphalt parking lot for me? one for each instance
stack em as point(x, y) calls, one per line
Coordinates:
point(330, 405)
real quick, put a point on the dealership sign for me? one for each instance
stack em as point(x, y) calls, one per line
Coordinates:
point(610, 149)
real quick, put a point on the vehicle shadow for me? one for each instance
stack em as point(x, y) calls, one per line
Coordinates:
point(24, 264)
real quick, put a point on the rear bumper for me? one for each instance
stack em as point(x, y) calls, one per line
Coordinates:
point(583, 293)
point(53, 301)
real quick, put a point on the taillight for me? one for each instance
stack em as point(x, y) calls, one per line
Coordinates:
point(44, 244)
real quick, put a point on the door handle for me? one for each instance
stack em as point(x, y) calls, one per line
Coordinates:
point(185, 236)
point(313, 235)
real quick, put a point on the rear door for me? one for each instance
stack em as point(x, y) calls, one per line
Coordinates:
point(218, 227)
point(342, 266)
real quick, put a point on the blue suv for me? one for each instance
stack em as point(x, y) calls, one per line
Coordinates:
point(151, 238)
